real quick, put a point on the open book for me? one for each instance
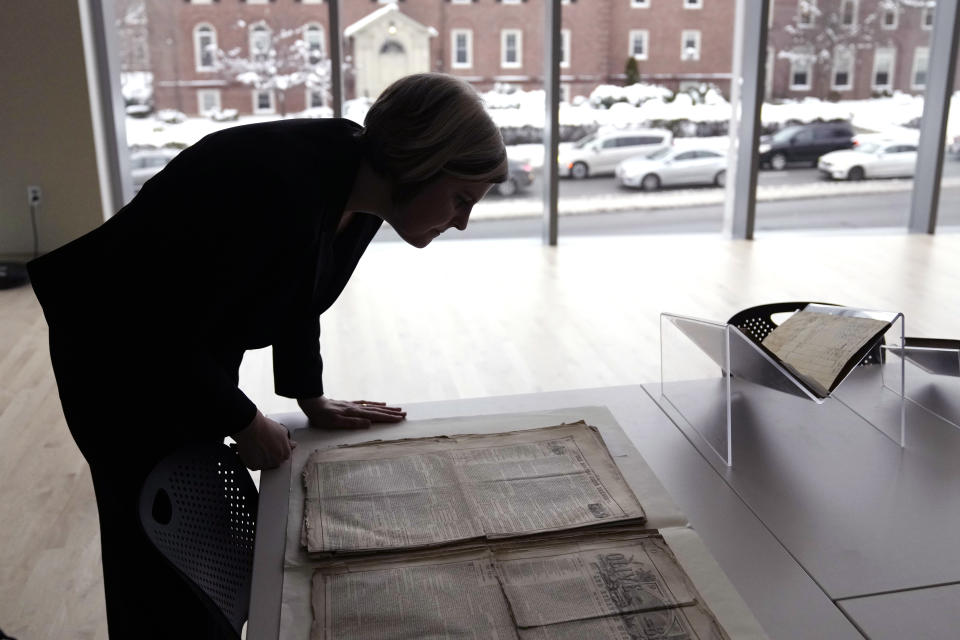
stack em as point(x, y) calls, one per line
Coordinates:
point(821, 348)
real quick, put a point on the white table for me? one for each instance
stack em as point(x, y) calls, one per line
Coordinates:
point(780, 592)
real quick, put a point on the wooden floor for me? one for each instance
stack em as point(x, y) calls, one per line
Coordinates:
point(460, 319)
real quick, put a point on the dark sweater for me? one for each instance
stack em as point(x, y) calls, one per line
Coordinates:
point(231, 247)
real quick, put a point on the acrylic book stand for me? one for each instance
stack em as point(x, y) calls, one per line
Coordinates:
point(725, 359)
point(934, 380)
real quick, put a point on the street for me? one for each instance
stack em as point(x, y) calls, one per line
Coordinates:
point(888, 208)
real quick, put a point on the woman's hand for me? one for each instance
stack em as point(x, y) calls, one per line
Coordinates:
point(264, 443)
point(325, 413)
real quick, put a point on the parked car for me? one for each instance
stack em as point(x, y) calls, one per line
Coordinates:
point(146, 163)
point(804, 143)
point(520, 177)
point(888, 159)
point(600, 153)
point(672, 166)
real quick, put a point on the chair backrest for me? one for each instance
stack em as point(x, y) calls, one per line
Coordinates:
point(199, 509)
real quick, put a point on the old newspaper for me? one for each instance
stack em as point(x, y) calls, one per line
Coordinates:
point(603, 586)
point(410, 494)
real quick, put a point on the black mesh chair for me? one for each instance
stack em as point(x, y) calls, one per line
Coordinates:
point(199, 509)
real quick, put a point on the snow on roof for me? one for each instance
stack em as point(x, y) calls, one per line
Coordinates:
point(381, 13)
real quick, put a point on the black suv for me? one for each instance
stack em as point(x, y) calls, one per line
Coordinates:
point(804, 143)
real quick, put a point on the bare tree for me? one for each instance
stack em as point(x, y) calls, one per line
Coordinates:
point(278, 61)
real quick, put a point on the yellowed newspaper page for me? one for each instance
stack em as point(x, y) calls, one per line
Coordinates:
point(818, 345)
point(450, 597)
point(432, 491)
point(679, 623)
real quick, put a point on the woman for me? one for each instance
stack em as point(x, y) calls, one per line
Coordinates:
point(241, 242)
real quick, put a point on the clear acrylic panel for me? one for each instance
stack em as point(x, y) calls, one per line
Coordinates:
point(933, 375)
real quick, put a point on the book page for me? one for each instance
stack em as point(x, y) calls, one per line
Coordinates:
point(432, 491)
point(818, 346)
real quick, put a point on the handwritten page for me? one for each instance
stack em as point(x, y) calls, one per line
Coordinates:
point(818, 346)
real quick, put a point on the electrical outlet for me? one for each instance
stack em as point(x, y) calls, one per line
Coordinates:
point(33, 195)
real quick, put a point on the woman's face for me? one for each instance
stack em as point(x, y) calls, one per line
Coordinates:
point(445, 202)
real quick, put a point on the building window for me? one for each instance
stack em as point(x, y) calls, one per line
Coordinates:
point(208, 100)
point(461, 1)
point(690, 45)
point(257, 1)
point(565, 48)
point(511, 1)
point(311, 1)
point(926, 20)
point(693, 4)
point(848, 13)
point(640, 4)
point(921, 59)
point(204, 47)
point(842, 75)
point(890, 18)
point(807, 14)
point(883, 69)
point(639, 39)
point(565, 92)
point(511, 48)
point(259, 42)
point(315, 98)
point(313, 38)
point(462, 46)
point(201, 1)
point(801, 68)
point(263, 101)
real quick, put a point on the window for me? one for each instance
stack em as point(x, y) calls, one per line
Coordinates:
point(640, 4)
point(204, 47)
point(208, 100)
point(639, 39)
point(921, 59)
point(890, 18)
point(201, 1)
point(926, 20)
point(693, 4)
point(883, 69)
point(257, 1)
point(311, 1)
point(461, 1)
point(842, 75)
point(690, 45)
point(263, 101)
point(806, 13)
point(565, 48)
point(259, 42)
point(511, 1)
point(801, 66)
point(565, 92)
point(313, 37)
point(315, 98)
point(511, 48)
point(462, 48)
point(848, 13)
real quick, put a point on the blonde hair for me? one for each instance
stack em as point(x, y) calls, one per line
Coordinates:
point(429, 124)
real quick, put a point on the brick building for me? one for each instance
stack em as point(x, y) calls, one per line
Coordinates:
point(676, 43)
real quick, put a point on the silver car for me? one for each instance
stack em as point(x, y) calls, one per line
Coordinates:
point(146, 163)
point(672, 166)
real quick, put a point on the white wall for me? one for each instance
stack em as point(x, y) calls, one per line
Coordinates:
point(46, 132)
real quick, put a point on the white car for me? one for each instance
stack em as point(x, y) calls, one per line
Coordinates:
point(672, 166)
point(600, 153)
point(886, 159)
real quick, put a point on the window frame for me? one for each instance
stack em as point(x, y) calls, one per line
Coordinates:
point(644, 35)
point(208, 92)
point(883, 19)
point(693, 4)
point(878, 55)
point(920, 53)
point(683, 44)
point(315, 27)
point(855, 14)
point(257, 28)
point(271, 110)
point(518, 48)
point(794, 62)
point(811, 15)
point(925, 12)
point(566, 44)
point(198, 47)
point(308, 92)
point(639, 4)
point(842, 54)
point(454, 64)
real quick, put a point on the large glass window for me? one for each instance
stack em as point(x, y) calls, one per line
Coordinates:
point(842, 115)
point(948, 212)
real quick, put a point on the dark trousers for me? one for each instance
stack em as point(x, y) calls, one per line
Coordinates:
point(120, 431)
